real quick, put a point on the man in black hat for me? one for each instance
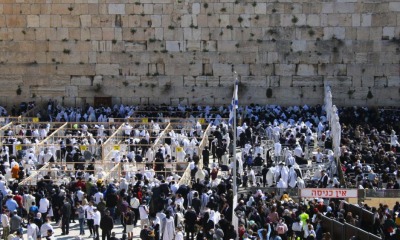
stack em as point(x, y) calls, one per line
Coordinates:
point(190, 220)
point(106, 225)
point(66, 215)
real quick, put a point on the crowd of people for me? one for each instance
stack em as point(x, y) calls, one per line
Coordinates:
point(154, 199)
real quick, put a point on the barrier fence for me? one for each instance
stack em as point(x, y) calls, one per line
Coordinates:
point(346, 231)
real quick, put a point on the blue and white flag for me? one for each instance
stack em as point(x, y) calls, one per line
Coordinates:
point(234, 103)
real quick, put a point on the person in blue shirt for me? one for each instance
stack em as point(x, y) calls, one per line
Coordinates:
point(33, 210)
point(11, 204)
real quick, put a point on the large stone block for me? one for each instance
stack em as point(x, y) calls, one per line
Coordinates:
point(394, 6)
point(306, 70)
point(81, 80)
point(222, 69)
point(33, 21)
point(107, 69)
point(393, 81)
point(306, 81)
point(285, 69)
point(116, 8)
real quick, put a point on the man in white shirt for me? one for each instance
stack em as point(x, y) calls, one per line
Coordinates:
point(96, 222)
point(97, 197)
point(90, 217)
point(5, 222)
point(45, 228)
point(44, 206)
point(144, 214)
point(80, 194)
point(32, 230)
point(135, 203)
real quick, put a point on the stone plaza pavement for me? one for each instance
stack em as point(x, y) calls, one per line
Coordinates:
point(74, 231)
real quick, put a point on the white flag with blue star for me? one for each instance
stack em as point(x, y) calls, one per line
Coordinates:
point(234, 103)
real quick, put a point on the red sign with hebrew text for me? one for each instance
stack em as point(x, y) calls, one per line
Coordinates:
point(328, 193)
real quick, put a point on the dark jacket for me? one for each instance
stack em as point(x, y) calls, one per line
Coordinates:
point(190, 218)
point(106, 223)
point(66, 210)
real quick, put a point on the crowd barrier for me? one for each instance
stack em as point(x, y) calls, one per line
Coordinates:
point(366, 217)
point(381, 193)
point(294, 193)
point(345, 231)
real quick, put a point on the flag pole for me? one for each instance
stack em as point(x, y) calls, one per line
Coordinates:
point(235, 219)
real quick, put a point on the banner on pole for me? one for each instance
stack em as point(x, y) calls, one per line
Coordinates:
point(328, 193)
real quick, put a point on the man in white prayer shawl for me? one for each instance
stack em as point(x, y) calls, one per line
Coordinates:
point(168, 230)
point(393, 139)
point(290, 160)
point(281, 184)
point(277, 150)
point(282, 173)
point(292, 177)
point(300, 183)
point(258, 150)
point(198, 128)
point(317, 173)
point(247, 148)
point(252, 176)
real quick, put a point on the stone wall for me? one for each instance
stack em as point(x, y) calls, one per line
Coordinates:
point(171, 51)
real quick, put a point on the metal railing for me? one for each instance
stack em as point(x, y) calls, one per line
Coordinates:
point(294, 193)
point(340, 230)
point(381, 193)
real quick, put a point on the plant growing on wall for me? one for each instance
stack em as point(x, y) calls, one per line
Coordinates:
point(242, 88)
point(351, 92)
point(19, 90)
point(167, 87)
point(98, 87)
point(369, 94)
point(295, 19)
point(269, 92)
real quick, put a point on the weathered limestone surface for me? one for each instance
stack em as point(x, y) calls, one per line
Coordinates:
point(171, 51)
